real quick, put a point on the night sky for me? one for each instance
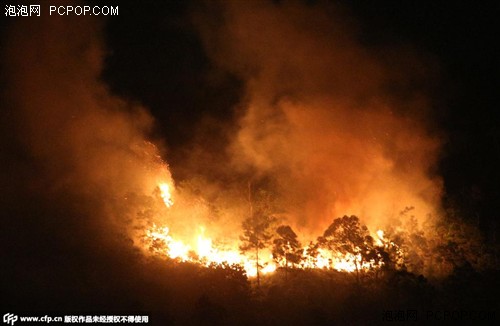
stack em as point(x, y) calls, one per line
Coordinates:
point(155, 57)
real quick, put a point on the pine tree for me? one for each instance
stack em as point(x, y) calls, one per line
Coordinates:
point(286, 247)
point(257, 227)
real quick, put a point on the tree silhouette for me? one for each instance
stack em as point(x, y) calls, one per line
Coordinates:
point(346, 236)
point(256, 236)
point(286, 247)
point(257, 226)
point(411, 250)
point(311, 252)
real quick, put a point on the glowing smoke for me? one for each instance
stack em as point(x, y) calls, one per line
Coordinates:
point(339, 127)
point(85, 141)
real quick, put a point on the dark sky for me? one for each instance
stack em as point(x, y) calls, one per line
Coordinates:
point(156, 57)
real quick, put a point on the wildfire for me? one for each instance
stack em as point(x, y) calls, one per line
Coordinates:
point(203, 250)
point(380, 237)
point(205, 253)
point(165, 194)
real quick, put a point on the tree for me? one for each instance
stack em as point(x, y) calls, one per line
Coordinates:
point(257, 226)
point(286, 247)
point(407, 244)
point(458, 244)
point(346, 236)
point(256, 236)
point(311, 253)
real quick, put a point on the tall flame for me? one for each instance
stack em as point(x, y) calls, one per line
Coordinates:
point(165, 194)
point(203, 250)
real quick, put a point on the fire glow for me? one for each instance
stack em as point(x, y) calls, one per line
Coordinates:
point(202, 250)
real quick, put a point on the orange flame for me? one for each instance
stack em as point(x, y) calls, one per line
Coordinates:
point(202, 250)
point(165, 194)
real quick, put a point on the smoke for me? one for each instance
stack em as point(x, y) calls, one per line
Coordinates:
point(339, 126)
point(82, 142)
point(336, 127)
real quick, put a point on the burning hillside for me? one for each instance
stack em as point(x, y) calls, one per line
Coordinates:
point(350, 254)
point(323, 133)
point(326, 164)
point(244, 163)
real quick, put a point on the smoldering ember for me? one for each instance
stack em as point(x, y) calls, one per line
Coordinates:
point(250, 162)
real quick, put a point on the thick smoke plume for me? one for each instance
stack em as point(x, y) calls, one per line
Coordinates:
point(340, 127)
point(81, 140)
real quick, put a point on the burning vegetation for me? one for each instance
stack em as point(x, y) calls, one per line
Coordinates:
point(323, 172)
point(265, 244)
point(325, 166)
